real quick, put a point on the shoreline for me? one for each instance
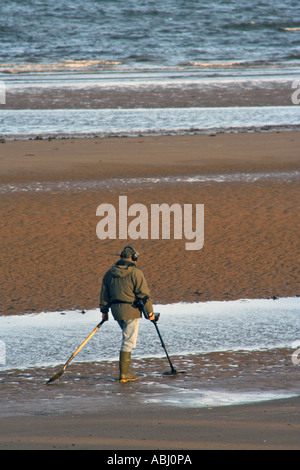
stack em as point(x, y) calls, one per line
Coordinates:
point(211, 132)
point(48, 124)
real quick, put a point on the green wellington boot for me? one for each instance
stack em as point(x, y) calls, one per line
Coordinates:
point(124, 363)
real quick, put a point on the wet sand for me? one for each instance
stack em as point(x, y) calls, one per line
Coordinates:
point(87, 408)
point(172, 95)
point(272, 425)
point(51, 259)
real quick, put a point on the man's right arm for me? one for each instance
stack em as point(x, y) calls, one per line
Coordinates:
point(104, 299)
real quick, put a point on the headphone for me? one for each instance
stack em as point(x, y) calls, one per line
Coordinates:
point(134, 254)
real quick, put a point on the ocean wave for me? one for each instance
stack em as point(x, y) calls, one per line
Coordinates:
point(66, 65)
point(291, 29)
point(225, 65)
point(143, 65)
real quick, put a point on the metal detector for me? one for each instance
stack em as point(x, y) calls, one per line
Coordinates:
point(141, 305)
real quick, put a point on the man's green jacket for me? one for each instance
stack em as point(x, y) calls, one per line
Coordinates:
point(121, 286)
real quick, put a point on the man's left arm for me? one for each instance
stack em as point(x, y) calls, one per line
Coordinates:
point(142, 292)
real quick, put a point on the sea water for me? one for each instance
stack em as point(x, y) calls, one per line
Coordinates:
point(84, 34)
point(136, 46)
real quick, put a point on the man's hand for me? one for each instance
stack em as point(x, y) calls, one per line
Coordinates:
point(104, 316)
point(154, 317)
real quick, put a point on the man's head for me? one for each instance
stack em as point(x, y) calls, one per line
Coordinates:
point(129, 253)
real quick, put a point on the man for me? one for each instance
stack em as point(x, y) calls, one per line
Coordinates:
point(122, 285)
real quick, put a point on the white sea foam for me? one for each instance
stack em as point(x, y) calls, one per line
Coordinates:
point(110, 183)
point(205, 398)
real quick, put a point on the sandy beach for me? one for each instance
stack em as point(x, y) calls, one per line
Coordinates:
point(52, 260)
point(263, 426)
point(174, 129)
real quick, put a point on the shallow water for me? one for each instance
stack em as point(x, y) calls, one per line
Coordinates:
point(47, 338)
point(232, 352)
point(111, 183)
point(29, 123)
point(210, 379)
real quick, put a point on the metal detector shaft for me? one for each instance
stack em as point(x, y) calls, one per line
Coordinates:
point(143, 309)
point(164, 347)
point(60, 373)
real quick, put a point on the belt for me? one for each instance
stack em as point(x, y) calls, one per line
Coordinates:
point(120, 302)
